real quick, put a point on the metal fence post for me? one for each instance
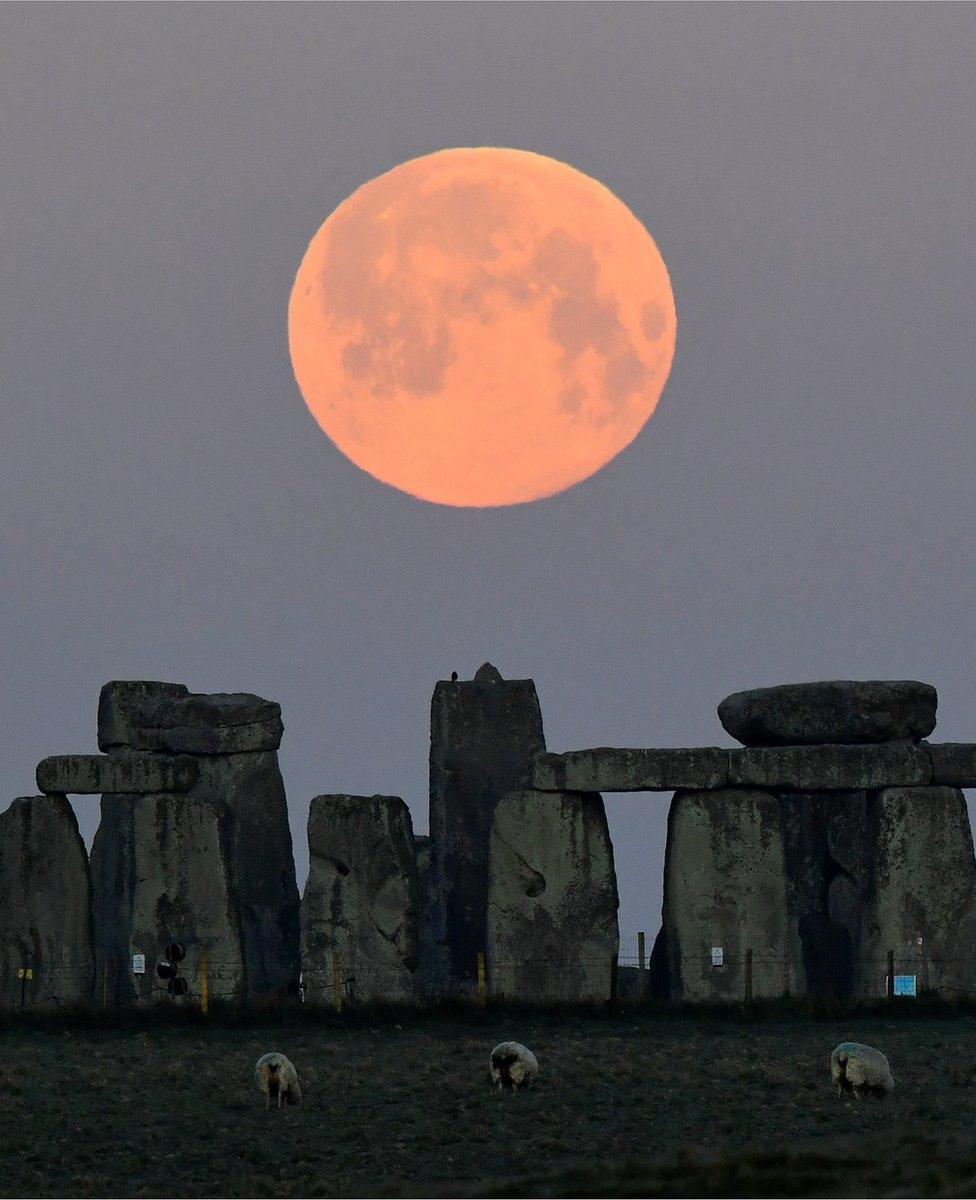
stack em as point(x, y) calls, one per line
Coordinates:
point(337, 981)
point(204, 982)
point(641, 967)
point(891, 974)
point(482, 979)
point(748, 980)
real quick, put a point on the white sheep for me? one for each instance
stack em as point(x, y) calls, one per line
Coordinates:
point(276, 1076)
point(513, 1066)
point(861, 1070)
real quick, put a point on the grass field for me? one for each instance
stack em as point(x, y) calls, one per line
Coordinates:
point(638, 1103)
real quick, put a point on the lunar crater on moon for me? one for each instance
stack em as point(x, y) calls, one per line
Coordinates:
point(482, 327)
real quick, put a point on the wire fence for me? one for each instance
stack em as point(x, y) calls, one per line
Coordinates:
point(341, 979)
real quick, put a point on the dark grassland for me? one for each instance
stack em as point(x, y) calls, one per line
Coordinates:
point(631, 1102)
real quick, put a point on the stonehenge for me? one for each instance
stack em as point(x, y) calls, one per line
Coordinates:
point(829, 854)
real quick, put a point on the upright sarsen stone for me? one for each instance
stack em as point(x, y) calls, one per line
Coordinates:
point(160, 874)
point(45, 905)
point(725, 890)
point(920, 904)
point(361, 901)
point(484, 737)
point(552, 899)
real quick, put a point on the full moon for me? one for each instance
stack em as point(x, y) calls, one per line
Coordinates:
point(481, 326)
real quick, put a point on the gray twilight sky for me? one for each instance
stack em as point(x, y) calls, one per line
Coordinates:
point(801, 505)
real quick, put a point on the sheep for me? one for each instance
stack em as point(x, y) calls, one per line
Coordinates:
point(512, 1066)
point(861, 1070)
point(276, 1076)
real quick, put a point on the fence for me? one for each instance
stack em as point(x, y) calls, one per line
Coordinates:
point(199, 978)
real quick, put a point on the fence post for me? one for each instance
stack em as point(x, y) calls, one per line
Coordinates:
point(641, 978)
point(749, 975)
point(482, 979)
point(891, 974)
point(613, 977)
point(337, 981)
point(204, 982)
point(105, 984)
point(24, 974)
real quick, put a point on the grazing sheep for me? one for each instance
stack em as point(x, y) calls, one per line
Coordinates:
point(276, 1076)
point(861, 1070)
point(513, 1066)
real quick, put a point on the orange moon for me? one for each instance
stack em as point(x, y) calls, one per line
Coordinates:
point(481, 326)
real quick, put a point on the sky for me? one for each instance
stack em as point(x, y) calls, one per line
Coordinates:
point(800, 506)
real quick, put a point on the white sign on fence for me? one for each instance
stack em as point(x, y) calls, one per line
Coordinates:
point(718, 956)
point(138, 964)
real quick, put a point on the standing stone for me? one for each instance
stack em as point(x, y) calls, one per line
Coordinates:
point(725, 889)
point(484, 737)
point(212, 869)
point(45, 906)
point(361, 901)
point(840, 710)
point(260, 865)
point(160, 875)
point(552, 899)
point(921, 902)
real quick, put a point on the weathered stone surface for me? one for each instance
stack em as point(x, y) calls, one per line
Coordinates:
point(830, 768)
point(212, 869)
point(953, 763)
point(261, 865)
point(614, 770)
point(485, 735)
point(552, 899)
point(725, 886)
point(126, 774)
point(160, 874)
point(830, 711)
point(921, 904)
point(166, 717)
point(122, 708)
point(361, 900)
point(45, 905)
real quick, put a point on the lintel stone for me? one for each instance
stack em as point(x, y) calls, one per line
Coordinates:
point(128, 774)
point(831, 768)
point(609, 769)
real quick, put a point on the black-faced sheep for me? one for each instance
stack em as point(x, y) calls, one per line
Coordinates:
point(861, 1070)
point(276, 1076)
point(512, 1066)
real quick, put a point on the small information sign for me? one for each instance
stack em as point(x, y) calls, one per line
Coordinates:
point(718, 956)
point(138, 964)
point(25, 972)
point(905, 985)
